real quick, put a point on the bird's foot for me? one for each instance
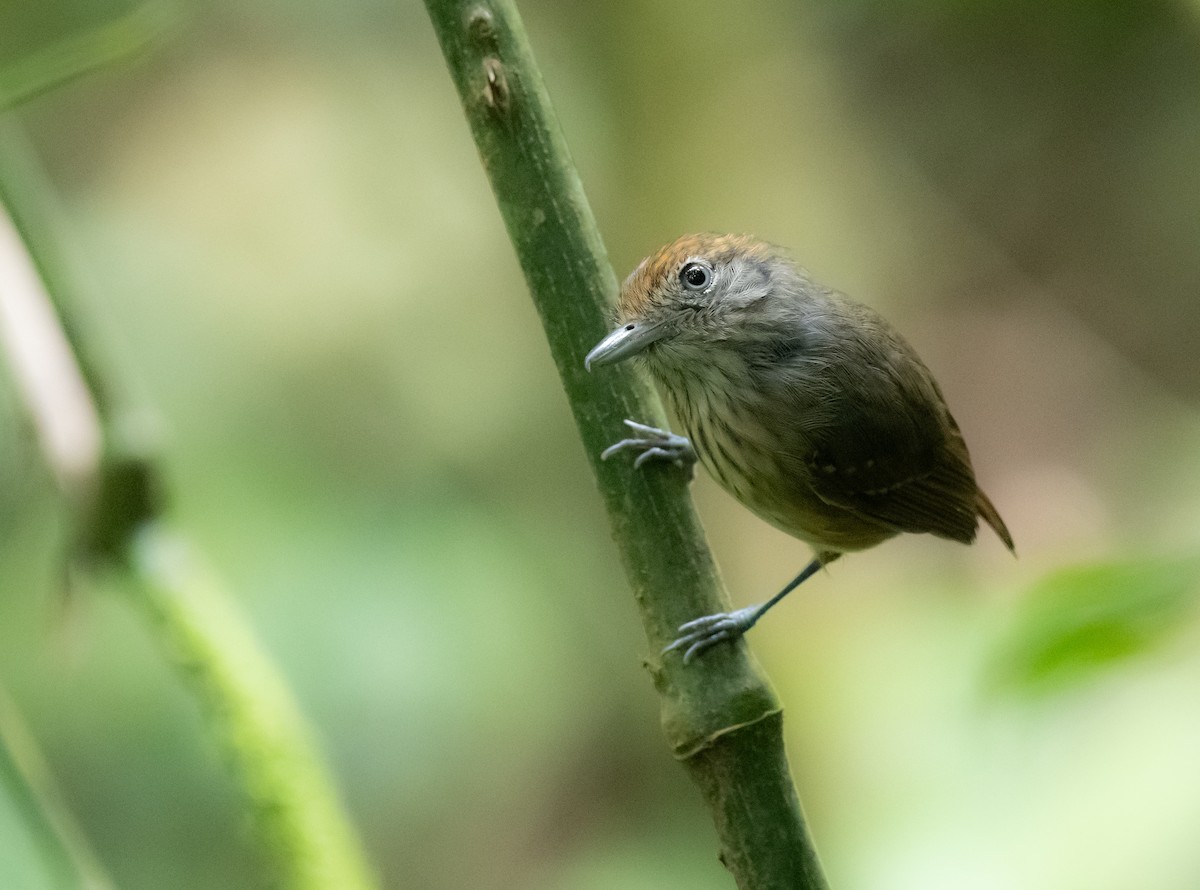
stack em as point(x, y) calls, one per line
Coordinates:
point(701, 634)
point(652, 443)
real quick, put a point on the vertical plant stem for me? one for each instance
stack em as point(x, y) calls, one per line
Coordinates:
point(119, 514)
point(25, 780)
point(720, 716)
point(247, 702)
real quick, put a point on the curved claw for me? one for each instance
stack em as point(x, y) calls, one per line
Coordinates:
point(654, 452)
point(701, 634)
point(653, 444)
point(646, 430)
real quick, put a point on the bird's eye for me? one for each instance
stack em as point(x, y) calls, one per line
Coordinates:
point(696, 275)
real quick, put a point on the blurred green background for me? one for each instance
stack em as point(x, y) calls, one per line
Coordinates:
point(287, 246)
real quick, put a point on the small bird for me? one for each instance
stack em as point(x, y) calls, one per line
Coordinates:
point(806, 406)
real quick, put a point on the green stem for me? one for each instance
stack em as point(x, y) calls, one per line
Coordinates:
point(294, 804)
point(78, 54)
point(247, 704)
point(25, 780)
point(27, 195)
point(720, 716)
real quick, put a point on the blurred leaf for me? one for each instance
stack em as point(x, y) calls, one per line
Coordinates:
point(40, 59)
point(39, 845)
point(1082, 620)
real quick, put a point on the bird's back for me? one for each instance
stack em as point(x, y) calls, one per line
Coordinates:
point(842, 441)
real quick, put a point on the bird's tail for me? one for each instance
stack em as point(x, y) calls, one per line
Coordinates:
point(985, 509)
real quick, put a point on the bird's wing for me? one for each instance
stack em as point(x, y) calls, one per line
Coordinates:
point(902, 463)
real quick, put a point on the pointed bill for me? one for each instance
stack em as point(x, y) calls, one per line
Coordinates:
point(627, 340)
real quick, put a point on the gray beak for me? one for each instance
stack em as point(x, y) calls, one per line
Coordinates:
point(628, 339)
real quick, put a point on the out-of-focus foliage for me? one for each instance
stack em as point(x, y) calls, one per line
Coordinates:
point(39, 51)
point(289, 248)
point(1066, 133)
point(26, 859)
point(1082, 620)
point(40, 847)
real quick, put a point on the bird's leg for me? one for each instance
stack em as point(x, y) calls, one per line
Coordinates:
point(703, 633)
point(652, 443)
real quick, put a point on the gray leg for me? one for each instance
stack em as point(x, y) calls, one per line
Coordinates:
point(703, 633)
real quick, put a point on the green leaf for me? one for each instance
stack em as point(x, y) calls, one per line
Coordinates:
point(1080, 621)
point(40, 57)
point(40, 848)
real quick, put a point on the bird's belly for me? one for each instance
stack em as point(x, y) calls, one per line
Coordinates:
point(772, 482)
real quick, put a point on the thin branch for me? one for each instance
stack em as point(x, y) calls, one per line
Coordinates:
point(246, 700)
point(120, 524)
point(720, 716)
point(26, 781)
point(63, 413)
point(80, 53)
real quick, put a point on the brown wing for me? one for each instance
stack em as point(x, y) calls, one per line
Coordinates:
point(874, 428)
point(894, 455)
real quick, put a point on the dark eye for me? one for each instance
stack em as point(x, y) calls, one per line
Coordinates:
point(696, 275)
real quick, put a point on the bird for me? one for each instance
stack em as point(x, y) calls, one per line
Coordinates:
point(805, 405)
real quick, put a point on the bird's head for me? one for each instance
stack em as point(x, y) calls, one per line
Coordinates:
point(694, 294)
